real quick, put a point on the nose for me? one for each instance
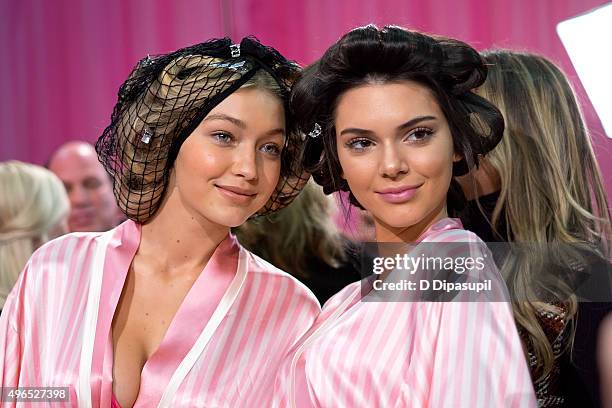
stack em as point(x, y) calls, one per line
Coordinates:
point(78, 196)
point(245, 163)
point(393, 163)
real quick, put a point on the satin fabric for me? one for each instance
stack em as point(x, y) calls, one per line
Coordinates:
point(41, 327)
point(114, 403)
point(408, 353)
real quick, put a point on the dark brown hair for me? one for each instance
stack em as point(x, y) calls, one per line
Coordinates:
point(449, 68)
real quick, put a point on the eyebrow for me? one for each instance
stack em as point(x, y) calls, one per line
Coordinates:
point(273, 132)
point(241, 124)
point(221, 116)
point(403, 126)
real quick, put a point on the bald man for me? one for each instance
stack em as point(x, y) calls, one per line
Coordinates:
point(89, 187)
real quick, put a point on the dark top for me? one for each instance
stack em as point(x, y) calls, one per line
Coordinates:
point(325, 280)
point(574, 380)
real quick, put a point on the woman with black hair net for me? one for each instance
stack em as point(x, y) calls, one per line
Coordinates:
point(167, 309)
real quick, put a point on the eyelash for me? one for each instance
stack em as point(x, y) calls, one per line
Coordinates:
point(428, 132)
point(352, 144)
point(276, 152)
point(218, 135)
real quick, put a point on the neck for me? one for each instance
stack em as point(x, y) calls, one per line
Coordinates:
point(179, 239)
point(387, 233)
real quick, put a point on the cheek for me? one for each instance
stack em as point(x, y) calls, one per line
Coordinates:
point(434, 160)
point(269, 175)
point(194, 167)
point(210, 164)
point(357, 170)
point(360, 172)
point(431, 164)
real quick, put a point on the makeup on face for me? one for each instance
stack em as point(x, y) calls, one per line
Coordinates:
point(398, 195)
point(236, 194)
point(396, 152)
point(229, 166)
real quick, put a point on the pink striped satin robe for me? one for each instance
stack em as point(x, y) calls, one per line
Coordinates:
point(222, 349)
point(409, 354)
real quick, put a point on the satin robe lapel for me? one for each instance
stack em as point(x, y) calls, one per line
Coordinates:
point(190, 319)
point(445, 224)
point(119, 255)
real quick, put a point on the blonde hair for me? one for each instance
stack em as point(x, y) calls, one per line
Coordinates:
point(551, 187)
point(32, 202)
point(296, 234)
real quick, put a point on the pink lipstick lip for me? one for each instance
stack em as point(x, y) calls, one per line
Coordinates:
point(237, 190)
point(236, 194)
point(394, 190)
point(397, 195)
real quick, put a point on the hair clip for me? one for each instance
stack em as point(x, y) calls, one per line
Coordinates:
point(235, 49)
point(316, 131)
point(147, 61)
point(146, 136)
point(239, 66)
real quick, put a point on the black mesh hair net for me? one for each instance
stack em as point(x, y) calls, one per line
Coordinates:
point(166, 97)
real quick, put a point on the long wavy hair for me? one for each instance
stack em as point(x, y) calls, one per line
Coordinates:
point(551, 186)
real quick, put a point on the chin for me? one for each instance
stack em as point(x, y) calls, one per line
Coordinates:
point(228, 217)
point(399, 219)
point(236, 223)
point(400, 223)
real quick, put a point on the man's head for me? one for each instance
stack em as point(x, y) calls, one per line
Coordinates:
point(89, 187)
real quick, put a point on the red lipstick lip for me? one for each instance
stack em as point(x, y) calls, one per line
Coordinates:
point(396, 190)
point(237, 190)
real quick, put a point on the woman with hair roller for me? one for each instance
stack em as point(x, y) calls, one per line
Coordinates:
point(390, 118)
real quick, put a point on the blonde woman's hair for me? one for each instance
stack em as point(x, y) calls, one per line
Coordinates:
point(32, 202)
point(551, 187)
point(298, 233)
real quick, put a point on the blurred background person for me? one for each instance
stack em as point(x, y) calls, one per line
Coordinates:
point(33, 210)
point(89, 188)
point(542, 185)
point(303, 240)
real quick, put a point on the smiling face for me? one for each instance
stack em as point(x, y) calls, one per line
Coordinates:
point(228, 168)
point(396, 153)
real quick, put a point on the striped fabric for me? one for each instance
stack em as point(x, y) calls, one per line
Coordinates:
point(409, 354)
point(41, 327)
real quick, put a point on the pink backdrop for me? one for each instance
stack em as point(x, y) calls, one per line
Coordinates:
point(63, 60)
